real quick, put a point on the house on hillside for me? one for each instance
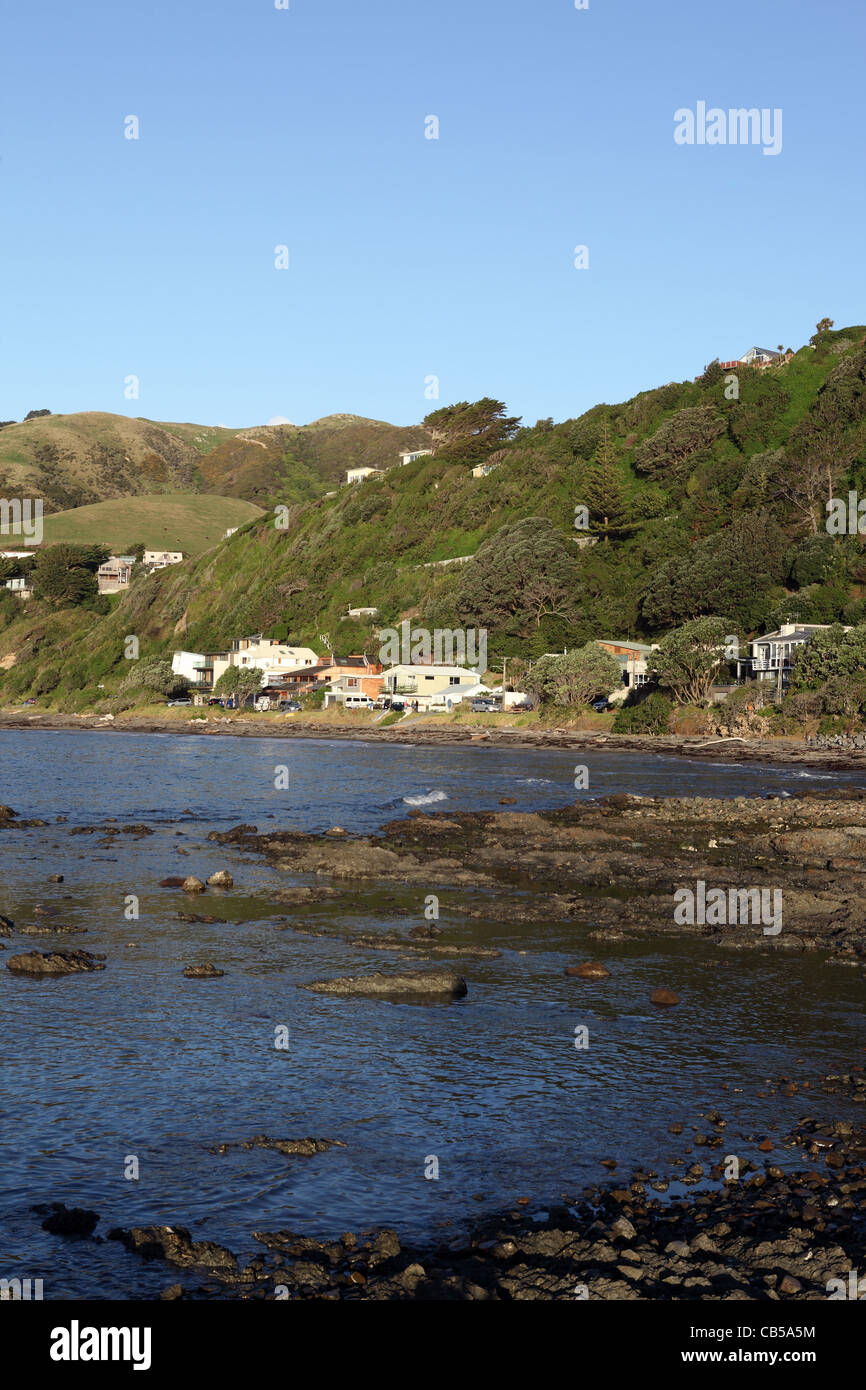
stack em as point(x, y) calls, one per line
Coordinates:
point(113, 577)
point(360, 613)
point(776, 652)
point(21, 586)
point(158, 559)
point(633, 660)
point(357, 475)
point(412, 455)
point(757, 357)
point(437, 686)
point(482, 469)
point(274, 659)
point(346, 687)
point(195, 667)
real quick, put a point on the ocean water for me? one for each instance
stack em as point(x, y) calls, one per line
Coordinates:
point(139, 1062)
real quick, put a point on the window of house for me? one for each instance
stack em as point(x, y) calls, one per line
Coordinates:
point(429, 678)
point(453, 680)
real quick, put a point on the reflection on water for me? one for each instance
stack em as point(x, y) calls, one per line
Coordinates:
point(138, 1060)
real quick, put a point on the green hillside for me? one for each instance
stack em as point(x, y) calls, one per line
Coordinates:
point(185, 521)
point(77, 460)
point(697, 501)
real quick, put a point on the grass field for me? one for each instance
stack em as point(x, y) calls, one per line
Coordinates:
point(191, 522)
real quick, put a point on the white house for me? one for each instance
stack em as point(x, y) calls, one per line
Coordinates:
point(482, 469)
point(21, 586)
point(196, 667)
point(357, 475)
point(777, 650)
point(273, 659)
point(443, 686)
point(412, 455)
point(158, 559)
point(114, 576)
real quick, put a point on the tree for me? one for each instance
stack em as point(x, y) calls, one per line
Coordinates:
point(829, 654)
point(688, 660)
point(688, 432)
point(36, 414)
point(240, 681)
point(583, 675)
point(64, 575)
point(466, 433)
point(602, 491)
point(156, 675)
point(521, 575)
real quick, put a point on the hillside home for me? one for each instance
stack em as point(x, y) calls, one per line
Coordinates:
point(230, 532)
point(114, 576)
point(158, 559)
point(274, 659)
point(632, 658)
point(482, 469)
point(361, 613)
point(21, 586)
point(777, 651)
point(196, 667)
point(357, 475)
point(756, 357)
point(445, 686)
point(346, 687)
point(413, 455)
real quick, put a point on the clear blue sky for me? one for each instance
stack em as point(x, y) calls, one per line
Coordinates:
point(411, 257)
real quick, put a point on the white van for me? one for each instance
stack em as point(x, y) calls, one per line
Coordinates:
point(358, 702)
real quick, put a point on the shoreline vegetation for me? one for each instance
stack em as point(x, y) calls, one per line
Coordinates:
point(524, 730)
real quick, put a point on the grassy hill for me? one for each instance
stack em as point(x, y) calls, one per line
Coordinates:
point(699, 501)
point(77, 460)
point(184, 521)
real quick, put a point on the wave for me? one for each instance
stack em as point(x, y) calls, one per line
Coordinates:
point(425, 798)
point(542, 781)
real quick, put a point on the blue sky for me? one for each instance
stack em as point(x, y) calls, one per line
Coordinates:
point(410, 257)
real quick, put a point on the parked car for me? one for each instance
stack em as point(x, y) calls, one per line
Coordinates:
point(397, 705)
point(173, 703)
point(357, 702)
point(31, 700)
point(599, 706)
point(481, 705)
point(215, 700)
point(290, 706)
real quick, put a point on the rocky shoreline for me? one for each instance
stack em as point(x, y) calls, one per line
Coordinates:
point(758, 1234)
point(836, 755)
point(615, 864)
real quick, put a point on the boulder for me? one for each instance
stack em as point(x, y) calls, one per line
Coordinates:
point(433, 984)
point(589, 970)
point(192, 885)
point(221, 879)
point(54, 962)
point(664, 998)
point(203, 972)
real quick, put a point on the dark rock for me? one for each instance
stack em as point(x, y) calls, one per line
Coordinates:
point(421, 983)
point(203, 972)
point(54, 962)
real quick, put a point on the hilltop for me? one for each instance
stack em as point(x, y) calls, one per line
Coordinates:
point(80, 459)
point(697, 500)
point(179, 521)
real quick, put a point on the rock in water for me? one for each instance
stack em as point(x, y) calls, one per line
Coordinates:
point(589, 970)
point(221, 879)
point(203, 972)
point(665, 998)
point(421, 983)
point(192, 885)
point(54, 962)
